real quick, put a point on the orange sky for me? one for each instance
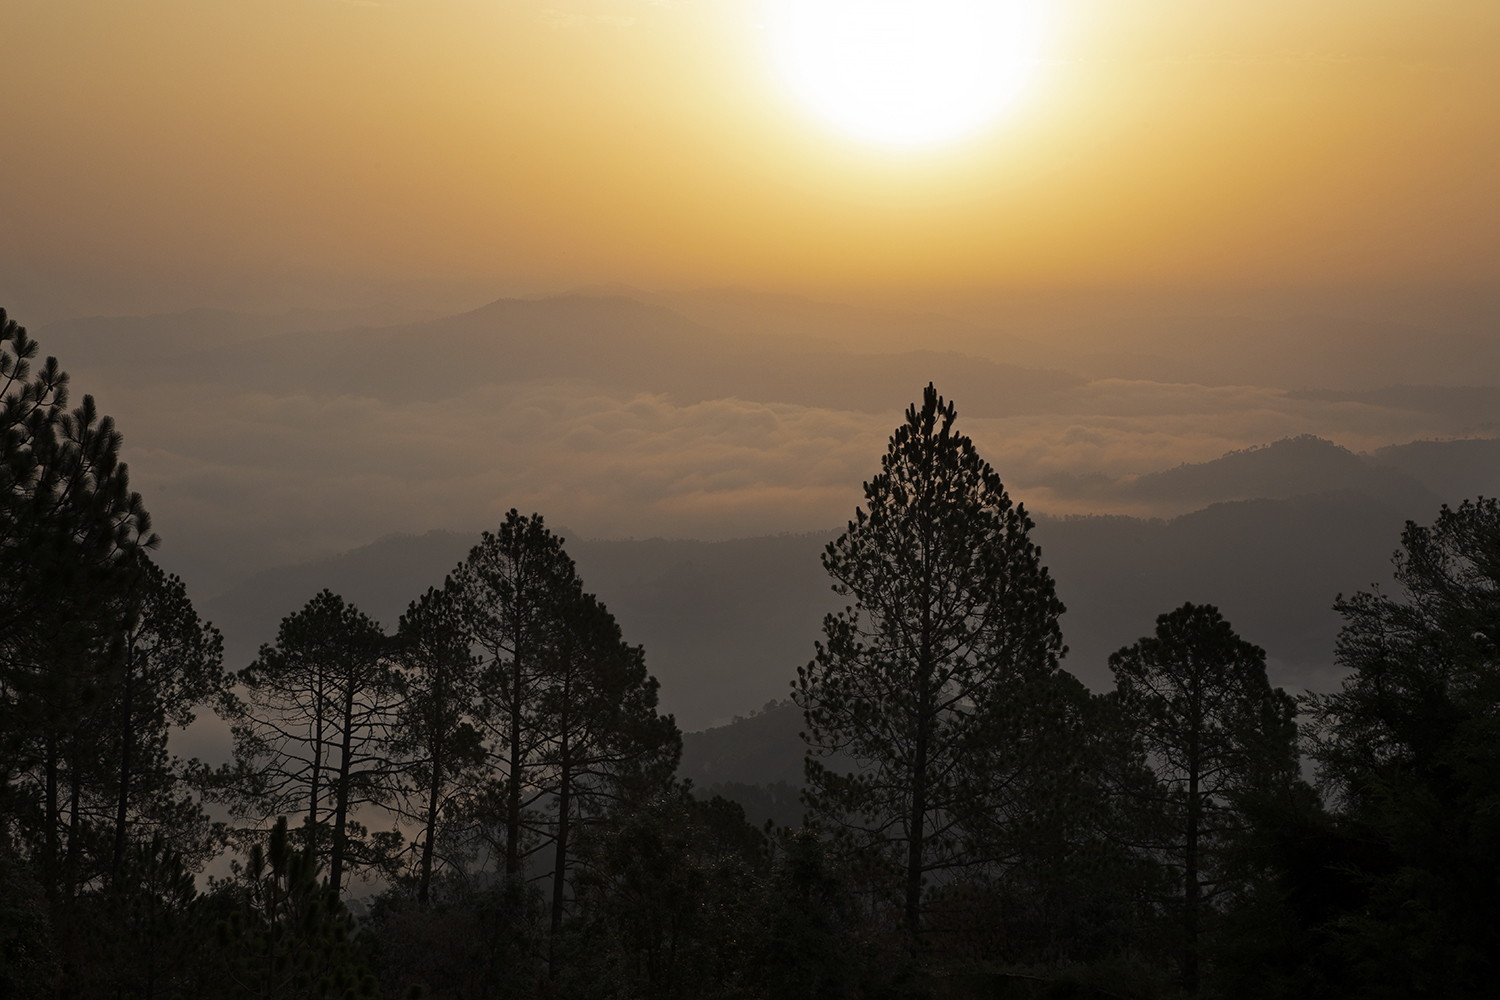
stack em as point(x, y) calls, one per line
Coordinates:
point(165, 153)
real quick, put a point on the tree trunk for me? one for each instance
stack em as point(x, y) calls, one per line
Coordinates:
point(513, 797)
point(914, 834)
point(425, 879)
point(317, 767)
point(437, 736)
point(75, 819)
point(1190, 860)
point(341, 803)
point(1190, 896)
point(51, 847)
point(127, 738)
point(560, 862)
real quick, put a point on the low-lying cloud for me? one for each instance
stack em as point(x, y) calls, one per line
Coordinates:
point(241, 481)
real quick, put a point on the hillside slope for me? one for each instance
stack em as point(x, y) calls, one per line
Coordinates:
point(605, 341)
point(1295, 466)
point(725, 624)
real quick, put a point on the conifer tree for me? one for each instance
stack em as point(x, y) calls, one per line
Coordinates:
point(144, 937)
point(311, 731)
point(1409, 750)
point(66, 508)
point(69, 529)
point(440, 748)
point(952, 608)
point(291, 938)
point(605, 742)
point(512, 588)
point(1195, 696)
point(173, 663)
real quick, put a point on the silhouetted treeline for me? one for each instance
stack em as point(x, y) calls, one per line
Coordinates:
point(481, 802)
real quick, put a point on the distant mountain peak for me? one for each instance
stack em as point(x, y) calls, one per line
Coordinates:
point(1300, 465)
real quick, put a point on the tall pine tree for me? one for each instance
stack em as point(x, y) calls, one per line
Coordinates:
point(1196, 698)
point(605, 743)
point(70, 528)
point(173, 663)
point(1409, 747)
point(312, 730)
point(952, 607)
point(442, 751)
point(512, 589)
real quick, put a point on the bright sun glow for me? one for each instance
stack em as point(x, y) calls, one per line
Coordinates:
point(906, 72)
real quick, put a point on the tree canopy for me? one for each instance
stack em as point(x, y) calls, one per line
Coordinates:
point(1409, 750)
point(1211, 727)
point(953, 614)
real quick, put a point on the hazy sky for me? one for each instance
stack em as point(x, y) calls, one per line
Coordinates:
point(1177, 196)
point(167, 153)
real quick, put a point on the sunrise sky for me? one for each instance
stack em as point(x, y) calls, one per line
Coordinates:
point(161, 154)
point(349, 269)
point(1185, 211)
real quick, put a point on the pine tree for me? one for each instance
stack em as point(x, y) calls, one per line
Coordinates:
point(605, 742)
point(512, 588)
point(311, 731)
point(173, 663)
point(70, 528)
point(1196, 697)
point(441, 750)
point(1409, 749)
point(952, 609)
point(291, 938)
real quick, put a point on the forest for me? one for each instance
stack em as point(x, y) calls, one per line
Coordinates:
point(485, 800)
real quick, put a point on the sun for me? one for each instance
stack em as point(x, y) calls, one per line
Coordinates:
point(906, 72)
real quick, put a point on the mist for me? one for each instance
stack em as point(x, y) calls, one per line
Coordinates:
point(269, 443)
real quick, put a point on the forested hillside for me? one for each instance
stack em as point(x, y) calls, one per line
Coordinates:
point(727, 623)
point(998, 754)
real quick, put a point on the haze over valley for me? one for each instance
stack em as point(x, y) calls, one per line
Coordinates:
point(698, 450)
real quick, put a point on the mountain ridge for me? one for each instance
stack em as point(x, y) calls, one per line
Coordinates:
point(726, 623)
point(615, 342)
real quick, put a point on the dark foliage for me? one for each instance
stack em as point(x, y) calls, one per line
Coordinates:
point(926, 681)
point(779, 804)
point(1409, 750)
point(291, 937)
point(1195, 698)
point(28, 958)
point(472, 942)
point(681, 897)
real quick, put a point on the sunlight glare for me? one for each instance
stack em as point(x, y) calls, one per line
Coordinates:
point(906, 72)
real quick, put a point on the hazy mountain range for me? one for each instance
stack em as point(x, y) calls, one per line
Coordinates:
point(726, 623)
point(268, 440)
point(708, 345)
point(1262, 463)
point(608, 342)
point(1293, 338)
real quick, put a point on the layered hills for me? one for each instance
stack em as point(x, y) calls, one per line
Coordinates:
point(726, 623)
point(609, 342)
point(262, 442)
